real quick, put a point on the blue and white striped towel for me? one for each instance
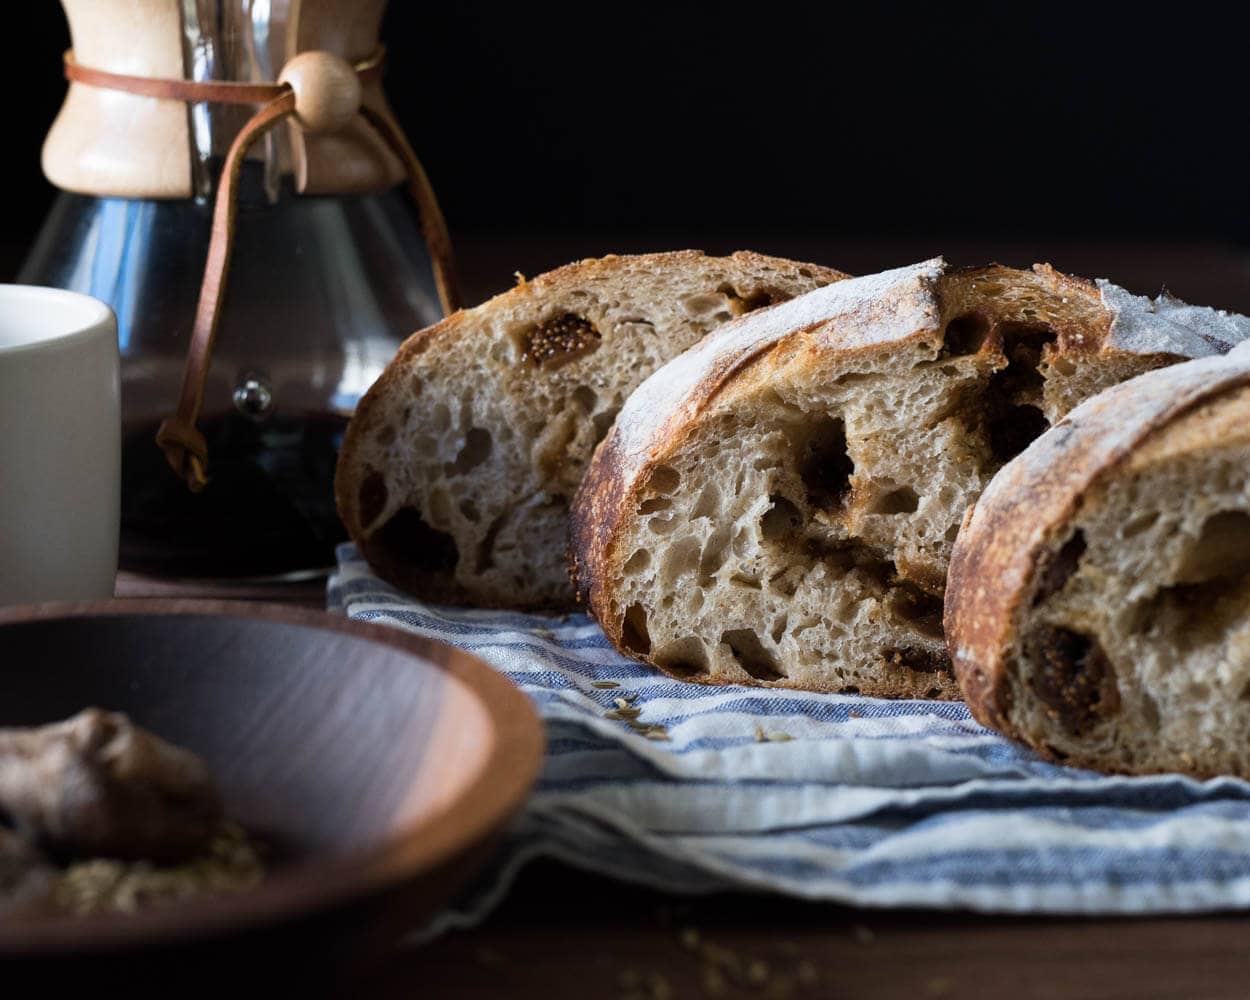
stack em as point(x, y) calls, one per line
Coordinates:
point(870, 802)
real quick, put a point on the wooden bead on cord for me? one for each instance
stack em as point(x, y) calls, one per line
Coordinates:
point(327, 90)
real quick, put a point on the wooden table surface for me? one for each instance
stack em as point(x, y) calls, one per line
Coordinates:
point(566, 934)
point(563, 934)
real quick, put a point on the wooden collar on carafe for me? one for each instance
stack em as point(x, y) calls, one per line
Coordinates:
point(322, 93)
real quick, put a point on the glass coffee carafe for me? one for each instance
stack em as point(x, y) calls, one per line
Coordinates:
point(329, 271)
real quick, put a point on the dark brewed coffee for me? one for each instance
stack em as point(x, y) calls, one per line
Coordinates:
point(268, 509)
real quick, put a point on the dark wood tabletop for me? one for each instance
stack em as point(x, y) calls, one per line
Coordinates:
point(562, 933)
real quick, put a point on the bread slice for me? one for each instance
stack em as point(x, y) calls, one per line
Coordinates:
point(778, 505)
point(1099, 600)
point(455, 474)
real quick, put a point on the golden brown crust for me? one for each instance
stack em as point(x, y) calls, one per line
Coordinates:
point(742, 354)
point(352, 473)
point(1033, 499)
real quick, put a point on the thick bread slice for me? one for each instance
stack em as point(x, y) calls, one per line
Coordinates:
point(1099, 599)
point(456, 471)
point(778, 505)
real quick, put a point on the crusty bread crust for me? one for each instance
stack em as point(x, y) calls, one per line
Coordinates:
point(1029, 507)
point(363, 480)
point(840, 326)
point(664, 410)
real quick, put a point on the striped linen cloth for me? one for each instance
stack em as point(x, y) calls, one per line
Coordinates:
point(835, 797)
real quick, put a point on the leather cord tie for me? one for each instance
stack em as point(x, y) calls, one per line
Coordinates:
point(323, 94)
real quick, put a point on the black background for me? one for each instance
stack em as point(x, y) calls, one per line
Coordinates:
point(1090, 121)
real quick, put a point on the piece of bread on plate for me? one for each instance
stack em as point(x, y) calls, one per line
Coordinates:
point(1099, 598)
point(457, 469)
point(778, 505)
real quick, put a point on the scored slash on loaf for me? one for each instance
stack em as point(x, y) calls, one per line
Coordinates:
point(779, 504)
point(456, 472)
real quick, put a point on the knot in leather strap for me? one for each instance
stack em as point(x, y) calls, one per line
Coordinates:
point(322, 93)
point(185, 450)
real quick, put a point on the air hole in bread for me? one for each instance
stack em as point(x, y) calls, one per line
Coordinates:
point(1136, 525)
point(965, 334)
point(825, 466)
point(745, 581)
point(654, 505)
point(1015, 430)
point(917, 660)
point(662, 525)
point(1023, 345)
point(786, 583)
point(1060, 567)
point(1196, 692)
point(586, 397)
point(558, 341)
point(679, 559)
point(663, 479)
point(469, 510)
point(603, 423)
point(912, 608)
point(634, 634)
point(440, 418)
point(852, 556)
point(779, 628)
point(415, 386)
point(1194, 614)
point(712, 306)
point(708, 504)
point(1221, 551)
point(781, 520)
point(636, 563)
point(475, 450)
point(409, 539)
point(1072, 676)
point(751, 654)
point(685, 657)
point(371, 500)
point(484, 559)
point(713, 557)
point(386, 435)
point(438, 506)
point(903, 500)
point(741, 303)
point(1008, 407)
point(757, 299)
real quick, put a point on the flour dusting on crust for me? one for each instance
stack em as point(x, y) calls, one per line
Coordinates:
point(1167, 325)
point(854, 303)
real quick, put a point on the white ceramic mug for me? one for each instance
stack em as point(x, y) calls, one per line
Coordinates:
point(60, 446)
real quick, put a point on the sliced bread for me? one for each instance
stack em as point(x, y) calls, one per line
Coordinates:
point(456, 471)
point(778, 505)
point(1099, 598)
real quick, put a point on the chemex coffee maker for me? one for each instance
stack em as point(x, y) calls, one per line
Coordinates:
point(234, 185)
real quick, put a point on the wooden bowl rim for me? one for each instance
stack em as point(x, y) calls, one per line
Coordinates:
point(495, 793)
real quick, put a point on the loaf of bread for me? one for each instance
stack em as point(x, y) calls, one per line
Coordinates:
point(457, 469)
point(1099, 598)
point(778, 505)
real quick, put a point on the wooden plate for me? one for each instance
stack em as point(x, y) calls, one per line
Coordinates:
point(380, 763)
